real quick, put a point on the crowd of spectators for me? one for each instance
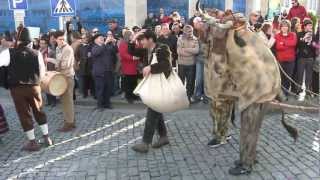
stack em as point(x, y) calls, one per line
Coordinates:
point(105, 66)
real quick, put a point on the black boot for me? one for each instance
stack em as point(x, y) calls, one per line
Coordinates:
point(161, 142)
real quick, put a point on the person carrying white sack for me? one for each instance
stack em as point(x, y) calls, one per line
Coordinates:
point(154, 120)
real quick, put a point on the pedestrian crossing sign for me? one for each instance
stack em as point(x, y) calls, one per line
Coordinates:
point(63, 8)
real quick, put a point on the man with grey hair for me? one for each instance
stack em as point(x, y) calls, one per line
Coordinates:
point(187, 49)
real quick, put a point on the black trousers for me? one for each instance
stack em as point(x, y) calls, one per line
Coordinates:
point(51, 100)
point(154, 122)
point(129, 84)
point(288, 68)
point(104, 87)
point(315, 82)
point(188, 74)
point(87, 85)
point(304, 66)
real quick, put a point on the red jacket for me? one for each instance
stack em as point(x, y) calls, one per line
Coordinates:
point(297, 11)
point(165, 19)
point(128, 65)
point(286, 47)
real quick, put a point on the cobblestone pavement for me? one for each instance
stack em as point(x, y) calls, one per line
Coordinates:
point(100, 148)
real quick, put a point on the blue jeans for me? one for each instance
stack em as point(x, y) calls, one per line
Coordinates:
point(199, 79)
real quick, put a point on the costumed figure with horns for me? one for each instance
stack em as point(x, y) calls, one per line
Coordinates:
point(25, 68)
point(240, 68)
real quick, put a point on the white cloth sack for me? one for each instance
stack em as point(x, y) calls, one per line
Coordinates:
point(4, 57)
point(161, 94)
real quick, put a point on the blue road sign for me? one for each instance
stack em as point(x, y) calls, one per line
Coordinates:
point(63, 8)
point(18, 4)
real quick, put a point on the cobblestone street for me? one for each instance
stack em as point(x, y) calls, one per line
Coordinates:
point(100, 148)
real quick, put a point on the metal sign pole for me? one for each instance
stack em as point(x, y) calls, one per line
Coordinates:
point(61, 23)
point(18, 17)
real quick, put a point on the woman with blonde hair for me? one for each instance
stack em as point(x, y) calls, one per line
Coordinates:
point(285, 47)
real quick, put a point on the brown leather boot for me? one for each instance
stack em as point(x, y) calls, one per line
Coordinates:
point(31, 146)
point(67, 127)
point(47, 141)
point(141, 148)
point(161, 142)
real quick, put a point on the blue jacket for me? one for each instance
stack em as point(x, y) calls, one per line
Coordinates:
point(104, 58)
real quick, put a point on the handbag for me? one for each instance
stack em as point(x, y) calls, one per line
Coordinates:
point(3, 122)
point(163, 94)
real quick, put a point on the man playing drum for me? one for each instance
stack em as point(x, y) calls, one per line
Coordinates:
point(25, 69)
point(64, 65)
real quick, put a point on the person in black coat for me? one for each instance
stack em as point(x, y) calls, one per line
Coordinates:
point(85, 67)
point(169, 39)
point(306, 56)
point(104, 56)
point(154, 120)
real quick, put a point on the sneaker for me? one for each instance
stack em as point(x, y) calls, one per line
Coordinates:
point(239, 170)
point(205, 101)
point(215, 143)
point(162, 142)
point(130, 101)
point(141, 148)
point(195, 100)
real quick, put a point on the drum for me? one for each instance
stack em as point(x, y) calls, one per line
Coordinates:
point(54, 83)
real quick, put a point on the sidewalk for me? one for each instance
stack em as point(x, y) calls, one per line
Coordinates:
point(100, 148)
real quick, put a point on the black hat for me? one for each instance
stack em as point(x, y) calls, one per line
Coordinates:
point(96, 36)
point(112, 21)
point(24, 35)
point(136, 28)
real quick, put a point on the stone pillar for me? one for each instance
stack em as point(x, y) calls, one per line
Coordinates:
point(264, 7)
point(135, 12)
point(318, 10)
point(192, 7)
point(19, 16)
point(249, 6)
point(257, 5)
point(228, 4)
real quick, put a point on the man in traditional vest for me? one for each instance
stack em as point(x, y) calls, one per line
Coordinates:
point(25, 68)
